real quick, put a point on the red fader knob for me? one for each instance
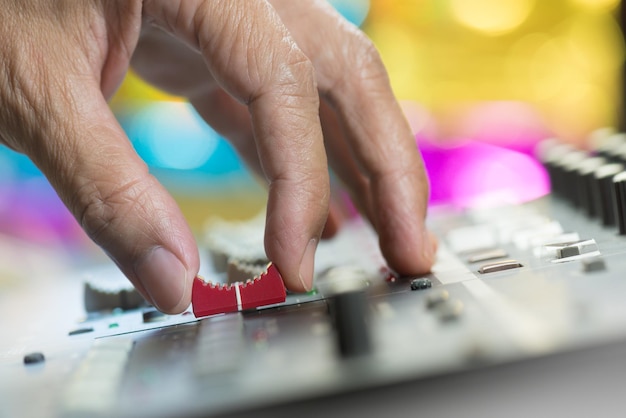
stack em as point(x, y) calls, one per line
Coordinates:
point(210, 299)
point(266, 289)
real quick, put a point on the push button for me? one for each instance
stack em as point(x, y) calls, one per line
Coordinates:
point(499, 266)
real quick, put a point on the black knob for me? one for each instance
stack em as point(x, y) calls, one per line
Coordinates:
point(349, 310)
point(551, 153)
point(586, 173)
point(604, 193)
point(568, 167)
point(619, 184)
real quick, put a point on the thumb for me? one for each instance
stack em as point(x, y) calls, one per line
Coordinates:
point(55, 60)
point(119, 204)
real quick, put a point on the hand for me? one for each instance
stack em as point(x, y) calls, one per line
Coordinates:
point(255, 72)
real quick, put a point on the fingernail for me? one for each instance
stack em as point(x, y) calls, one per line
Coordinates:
point(164, 277)
point(307, 265)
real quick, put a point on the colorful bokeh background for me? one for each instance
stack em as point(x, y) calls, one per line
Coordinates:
point(480, 81)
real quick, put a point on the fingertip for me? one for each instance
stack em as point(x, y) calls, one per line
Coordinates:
point(291, 241)
point(166, 280)
point(298, 276)
point(410, 254)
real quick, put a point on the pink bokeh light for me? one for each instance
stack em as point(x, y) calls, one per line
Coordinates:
point(31, 210)
point(489, 158)
point(476, 174)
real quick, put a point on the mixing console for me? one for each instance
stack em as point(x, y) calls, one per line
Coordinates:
point(523, 314)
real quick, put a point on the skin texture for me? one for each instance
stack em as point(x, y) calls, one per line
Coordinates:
point(291, 98)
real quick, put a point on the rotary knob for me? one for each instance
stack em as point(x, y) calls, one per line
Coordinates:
point(568, 168)
point(551, 153)
point(619, 186)
point(586, 174)
point(604, 192)
point(107, 289)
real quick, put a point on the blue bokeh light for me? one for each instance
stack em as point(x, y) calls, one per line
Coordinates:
point(16, 166)
point(353, 10)
point(171, 135)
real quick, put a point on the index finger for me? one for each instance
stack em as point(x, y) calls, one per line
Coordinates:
point(252, 56)
point(354, 81)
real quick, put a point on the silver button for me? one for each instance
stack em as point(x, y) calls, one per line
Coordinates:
point(500, 266)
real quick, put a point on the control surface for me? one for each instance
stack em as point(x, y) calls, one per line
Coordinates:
point(520, 297)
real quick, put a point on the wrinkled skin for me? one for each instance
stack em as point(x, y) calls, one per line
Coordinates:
point(290, 83)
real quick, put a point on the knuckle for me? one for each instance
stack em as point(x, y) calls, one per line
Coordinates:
point(367, 61)
point(317, 189)
point(354, 65)
point(298, 60)
point(295, 76)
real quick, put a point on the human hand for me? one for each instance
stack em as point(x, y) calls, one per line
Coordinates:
point(253, 71)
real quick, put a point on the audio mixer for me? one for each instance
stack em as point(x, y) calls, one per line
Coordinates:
point(523, 314)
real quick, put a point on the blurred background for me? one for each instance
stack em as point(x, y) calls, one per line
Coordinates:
point(480, 81)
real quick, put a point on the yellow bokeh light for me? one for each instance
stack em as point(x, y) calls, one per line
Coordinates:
point(550, 72)
point(594, 43)
point(402, 54)
point(520, 61)
point(569, 114)
point(493, 17)
point(445, 56)
point(600, 5)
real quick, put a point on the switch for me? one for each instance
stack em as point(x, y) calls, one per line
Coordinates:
point(569, 251)
point(577, 248)
point(548, 248)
